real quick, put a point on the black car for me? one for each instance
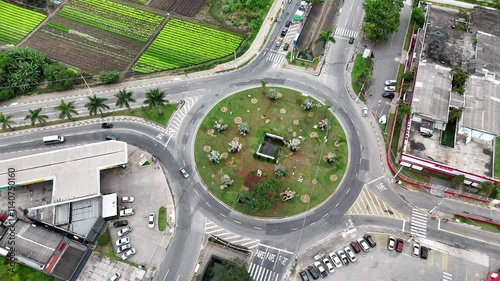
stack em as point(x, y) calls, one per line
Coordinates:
point(424, 251)
point(120, 223)
point(111, 137)
point(314, 273)
point(286, 46)
point(370, 240)
point(303, 275)
point(283, 33)
point(288, 23)
point(107, 125)
point(388, 95)
point(351, 40)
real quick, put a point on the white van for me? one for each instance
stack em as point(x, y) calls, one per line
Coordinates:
point(53, 139)
point(127, 212)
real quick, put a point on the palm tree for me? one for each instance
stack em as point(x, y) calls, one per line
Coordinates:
point(36, 116)
point(6, 122)
point(124, 98)
point(263, 84)
point(325, 37)
point(66, 110)
point(156, 99)
point(95, 104)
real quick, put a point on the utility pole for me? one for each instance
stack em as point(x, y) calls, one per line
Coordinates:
point(88, 87)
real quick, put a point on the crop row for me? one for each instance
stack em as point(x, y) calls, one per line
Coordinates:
point(182, 44)
point(113, 17)
point(17, 22)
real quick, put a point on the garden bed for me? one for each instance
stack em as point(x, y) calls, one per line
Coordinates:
point(283, 117)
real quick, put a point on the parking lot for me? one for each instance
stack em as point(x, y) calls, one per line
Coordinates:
point(150, 190)
point(381, 264)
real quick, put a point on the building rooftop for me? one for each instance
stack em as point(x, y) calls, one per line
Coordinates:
point(74, 171)
point(487, 53)
point(36, 243)
point(486, 20)
point(431, 95)
point(482, 105)
point(443, 44)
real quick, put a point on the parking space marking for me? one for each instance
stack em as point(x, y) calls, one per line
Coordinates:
point(430, 258)
point(368, 203)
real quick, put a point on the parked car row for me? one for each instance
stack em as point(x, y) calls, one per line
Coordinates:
point(339, 258)
point(398, 243)
point(389, 89)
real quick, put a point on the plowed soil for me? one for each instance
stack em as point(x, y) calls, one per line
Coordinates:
point(187, 8)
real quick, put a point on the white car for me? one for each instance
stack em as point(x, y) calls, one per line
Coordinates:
point(123, 241)
point(343, 257)
point(320, 268)
point(115, 277)
point(365, 111)
point(128, 199)
point(416, 250)
point(151, 220)
point(278, 42)
point(124, 231)
point(391, 243)
point(128, 254)
point(336, 260)
point(123, 248)
point(390, 88)
point(390, 82)
point(350, 254)
point(328, 265)
point(363, 244)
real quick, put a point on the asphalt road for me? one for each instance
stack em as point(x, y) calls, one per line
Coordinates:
point(192, 200)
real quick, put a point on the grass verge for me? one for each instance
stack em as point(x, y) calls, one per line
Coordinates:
point(497, 159)
point(409, 33)
point(162, 218)
point(143, 112)
point(16, 272)
point(360, 65)
point(483, 225)
point(105, 248)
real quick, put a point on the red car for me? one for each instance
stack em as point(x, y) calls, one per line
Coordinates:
point(355, 247)
point(399, 245)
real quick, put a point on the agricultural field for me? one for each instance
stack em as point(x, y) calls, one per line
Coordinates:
point(95, 35)
point(182, 44)
point(187, 8)
point(17, 22)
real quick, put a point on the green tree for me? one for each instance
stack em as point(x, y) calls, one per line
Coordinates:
point(261, 197)
point(6, 122)
point(407, 76)
point(6, 94)
point(418, 15)
point(34, 115)
point(66, 110)
point(459, 79)
point(96, 104)
point(381, 18)
point(156, 99)
point(457, 180)
point(403, 109)
point(486, 188)
point(263, 85)
point(231, 270)
point(455, 113)
point(124, 98)
point(59, 77)
point(109, 77)
point(496, 192)
point(324, 37)
point(21, 69)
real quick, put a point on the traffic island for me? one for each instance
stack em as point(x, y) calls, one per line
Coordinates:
point(254, 146)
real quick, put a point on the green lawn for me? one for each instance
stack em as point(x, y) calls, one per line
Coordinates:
point(162, 218)
point(483, 225)
point(19, 272)
point(241, 166)
point(497, 159)
point(360, 65)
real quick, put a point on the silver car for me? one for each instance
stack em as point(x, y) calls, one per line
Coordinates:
point(123, 248)
point(124, 231)
point(336, 260)
point(390, 82)
point(390, 88)
point(128, 254)
point(123, 241)
point(350, 254)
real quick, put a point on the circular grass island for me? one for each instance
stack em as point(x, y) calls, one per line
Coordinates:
point(258, 151)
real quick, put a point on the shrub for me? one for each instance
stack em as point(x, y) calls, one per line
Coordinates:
point(280, 170)
point(457, 180)
point(214, 156)
point(109, 77)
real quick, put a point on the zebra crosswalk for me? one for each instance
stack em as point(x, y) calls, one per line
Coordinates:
point(176, 120)
point(418, 225)
point(213, 229)
point(276, 58)
point(342, 32)
point(447, 276)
